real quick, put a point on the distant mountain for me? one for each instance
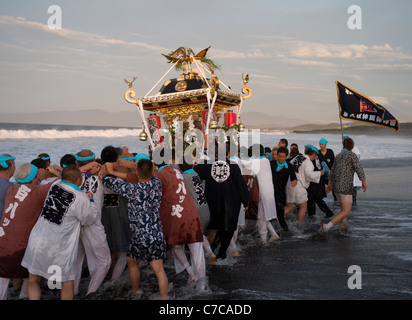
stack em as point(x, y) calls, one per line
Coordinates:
point(252, 120)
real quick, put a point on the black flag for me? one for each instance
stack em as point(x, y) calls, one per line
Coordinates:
point(357, 107)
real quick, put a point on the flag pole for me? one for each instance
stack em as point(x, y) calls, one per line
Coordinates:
point(340, 118)
point(341, 126)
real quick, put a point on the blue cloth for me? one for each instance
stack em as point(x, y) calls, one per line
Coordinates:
point(141, 156)
point(161, 168)
point(78, 158)
point(309, 146)
point(284, 164)
point(72, 185)
point(3, 160)
point(30, 177)
point(323, 141)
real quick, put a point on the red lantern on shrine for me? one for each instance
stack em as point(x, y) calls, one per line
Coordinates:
point(205, 114)
point(154, 124)
point(230, 119)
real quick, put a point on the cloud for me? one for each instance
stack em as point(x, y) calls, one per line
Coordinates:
point(309, 63)
point(406, 101)
point(381, 100)
point(295, 48)
point(397, 68)
point(78, 37)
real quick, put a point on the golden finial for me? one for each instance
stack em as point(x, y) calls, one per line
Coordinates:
point(130, 84)
point(245, 79)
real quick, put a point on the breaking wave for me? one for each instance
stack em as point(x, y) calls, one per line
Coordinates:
point(68, 134)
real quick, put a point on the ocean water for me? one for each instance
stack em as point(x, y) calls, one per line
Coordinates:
point(26, 141)
point(304, 264)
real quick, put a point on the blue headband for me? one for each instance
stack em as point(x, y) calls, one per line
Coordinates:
point(137, 157)
point(141, 156)
point(78, 158)
point(309, 146)
point(323, 141)
point(128, 159)
point(3, 160)
point(44, 158)
point(30, 177)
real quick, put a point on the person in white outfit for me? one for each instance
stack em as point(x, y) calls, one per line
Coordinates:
point(52, 248)
point(305, 174)
point(93, 243)
point(260, 167)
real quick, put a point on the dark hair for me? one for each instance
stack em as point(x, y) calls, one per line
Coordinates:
point(39, 163)
point(109, 154)
point(285, 141)
point(67, 159)
point(348, 143)
point(71, 173)
point(294, 145)
point(84, 153)
point(44, 155)
point(267, 149)
point(294, 152)
point(309, 151)
point(145, 168)
point(283, 150)
point(256, 150)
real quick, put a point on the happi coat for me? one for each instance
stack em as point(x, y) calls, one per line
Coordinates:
point(147, 241)
point(178, 212)
point(54, 239)
point(196, 190)
point(225, 191)
point(24, 202)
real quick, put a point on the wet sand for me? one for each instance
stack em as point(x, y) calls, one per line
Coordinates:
point(304, 264)
point(315, 266)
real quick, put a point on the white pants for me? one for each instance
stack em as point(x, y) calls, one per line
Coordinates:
point(197, 258)
point(264, 225)
point(93, 246)
point(4, 288)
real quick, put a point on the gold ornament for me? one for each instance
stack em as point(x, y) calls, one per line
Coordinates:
point(181, 86)
point(213, 124)
point(143, 136)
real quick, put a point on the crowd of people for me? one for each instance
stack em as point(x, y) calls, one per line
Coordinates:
point(121, 208)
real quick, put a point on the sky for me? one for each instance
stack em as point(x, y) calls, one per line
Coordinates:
point(293, 51)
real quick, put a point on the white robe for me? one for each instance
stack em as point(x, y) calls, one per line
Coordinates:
point(305, 175)
point(54, 239)
point(93, 241)
point(261, 169)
